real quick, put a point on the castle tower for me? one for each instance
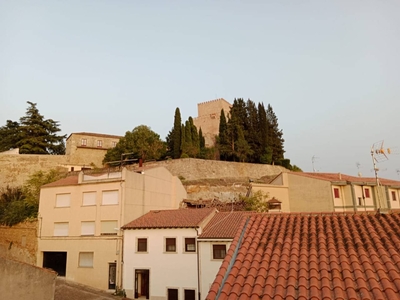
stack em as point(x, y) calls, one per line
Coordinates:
point(209, 113)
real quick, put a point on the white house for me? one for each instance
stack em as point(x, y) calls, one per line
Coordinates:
point(160, 254)
point(175, 254)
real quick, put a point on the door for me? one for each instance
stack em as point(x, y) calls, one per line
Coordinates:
point(57, 261)
point(112, 274)
point(142, 284)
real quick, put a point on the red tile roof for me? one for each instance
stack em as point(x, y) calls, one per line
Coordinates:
point(174, 218)
point(343, 177)
point(319, 256)
point(223, 225)
point(70, 180)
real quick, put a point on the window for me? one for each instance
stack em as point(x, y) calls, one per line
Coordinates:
point(113, 144)
point(359, 201)
point(219, 251)
point(63, 200)
point(84, 142)
point(109, 198)
point(172, 294)
point(190, 295)
point(142, 245)
point(109, 227)
point(190, 245)
point(89, 198)
point(88, 228)
point(366, 192)
point(61, 229)
point(86, 259)
point(170, 245)
point(336, 192)
point(394, 196)
point(99, 143)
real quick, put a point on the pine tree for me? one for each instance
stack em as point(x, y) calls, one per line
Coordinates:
point(38, 135)
point(9, 136)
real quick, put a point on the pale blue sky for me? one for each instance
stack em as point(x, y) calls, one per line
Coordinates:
point(330, 69)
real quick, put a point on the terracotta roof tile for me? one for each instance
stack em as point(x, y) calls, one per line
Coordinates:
point(223, 225)
point(337, 177)
point(70, 180)
point(314, 256)
point(174, 218)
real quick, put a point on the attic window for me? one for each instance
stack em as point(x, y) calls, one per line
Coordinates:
point(366, 191)
point(394, 198)
point(99, 143)
point(84, 142)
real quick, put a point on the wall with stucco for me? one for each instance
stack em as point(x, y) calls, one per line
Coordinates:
point(22, 281)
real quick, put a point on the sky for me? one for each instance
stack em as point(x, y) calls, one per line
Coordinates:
point(329, 69)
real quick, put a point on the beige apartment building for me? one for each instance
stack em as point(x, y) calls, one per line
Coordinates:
point(330, 192)
point(80, 218)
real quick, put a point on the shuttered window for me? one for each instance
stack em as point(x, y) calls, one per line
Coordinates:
point(63, 200)
point(87, 228)
point(61, 229)
point(86, 259)
point(89, 198)
point(109, 227)
point(109, 197)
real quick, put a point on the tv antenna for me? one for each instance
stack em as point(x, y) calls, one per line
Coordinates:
point(398, 172)
point(358, 165)
point(313, 161)
point(379, 154)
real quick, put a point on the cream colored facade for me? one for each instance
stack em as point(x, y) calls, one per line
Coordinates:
point(80, 219)
point(208, 117)
point(89, 147)
point(328, 192)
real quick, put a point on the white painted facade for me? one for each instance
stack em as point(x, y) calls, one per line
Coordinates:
point(167, 270)
point(208, 265)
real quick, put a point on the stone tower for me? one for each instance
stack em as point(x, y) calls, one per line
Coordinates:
point(209, 113)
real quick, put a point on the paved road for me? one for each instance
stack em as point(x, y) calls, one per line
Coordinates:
point(67, 290)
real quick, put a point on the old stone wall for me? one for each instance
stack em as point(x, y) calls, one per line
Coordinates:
point(22, 281)
point(19, 241)
point(193, 169)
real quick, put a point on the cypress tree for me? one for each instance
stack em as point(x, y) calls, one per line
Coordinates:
point(275, 136)
point(177, 134)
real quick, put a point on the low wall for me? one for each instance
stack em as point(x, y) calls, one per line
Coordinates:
point(22, 281)
point(19, 242)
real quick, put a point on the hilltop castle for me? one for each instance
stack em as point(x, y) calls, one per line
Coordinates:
point(209, 113)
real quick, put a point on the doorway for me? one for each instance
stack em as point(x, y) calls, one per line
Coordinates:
point(112, 274)
point(142, 284)
point(57, 261)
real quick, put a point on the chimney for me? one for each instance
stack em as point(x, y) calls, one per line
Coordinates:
point(340, 176)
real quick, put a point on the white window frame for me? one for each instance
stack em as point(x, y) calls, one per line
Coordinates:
point(212, 250)
point(63, 200)
point(109, 198)
point(84, 142)
point(106, 225)
point(89, 203)
point(90, 256)
point(184, 244)
point(61, 229)
point(88, 228)
point(137, 244)
point(165, 244)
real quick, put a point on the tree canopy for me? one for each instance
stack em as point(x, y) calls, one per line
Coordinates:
point(251, 134)
point(140, 143)
point(33, 134)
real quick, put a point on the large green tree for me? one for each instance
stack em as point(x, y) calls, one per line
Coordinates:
point(141, 143)
point(9, 136)
point(33, 134)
